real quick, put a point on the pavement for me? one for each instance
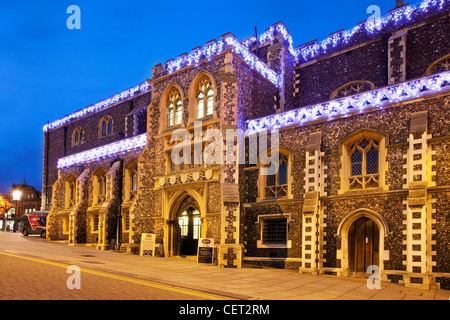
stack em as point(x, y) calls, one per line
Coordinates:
point(246, 283)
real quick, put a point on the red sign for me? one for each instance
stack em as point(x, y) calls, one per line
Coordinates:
point(36, 221)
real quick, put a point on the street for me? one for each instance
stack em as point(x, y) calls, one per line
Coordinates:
point(33, 269)
point(32, 278)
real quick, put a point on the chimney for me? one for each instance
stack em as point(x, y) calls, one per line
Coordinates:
point(399, 3)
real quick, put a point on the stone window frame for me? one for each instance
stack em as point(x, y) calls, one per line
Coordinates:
point(66, 225)
point(442, 62)
point(345, 157)
point(163, 107)
point(174, 116)
point(130, 170)
point(95, 223)
point(108, 123)
point(99, 177)
point(70, 191)
point(262, 219)
point(126, 221)
point(352, 88)
point(194, 91)
point(78, 136)
point(262, 179)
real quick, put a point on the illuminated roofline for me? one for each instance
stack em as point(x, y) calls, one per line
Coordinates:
point(104, 152)
point(357, 103)
point(101, 105)
point(313, 49)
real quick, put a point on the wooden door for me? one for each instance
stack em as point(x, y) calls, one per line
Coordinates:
point(363, 245)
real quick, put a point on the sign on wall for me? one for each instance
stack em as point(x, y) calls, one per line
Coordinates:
point(205, 252)
point(147, 245)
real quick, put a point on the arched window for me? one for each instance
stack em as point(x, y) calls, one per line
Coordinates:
point(276, 185)
point(174, 109)
point(190, 223)
point(71, 191)
point(77, 136)
point(131, 181)
point(352, 88)
point(99, 186)
point(205, 99)
point(364, 164)
point(106, 126)
point(440, 65)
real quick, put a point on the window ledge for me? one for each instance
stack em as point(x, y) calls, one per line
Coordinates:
point(364, 191)
point(261, 245)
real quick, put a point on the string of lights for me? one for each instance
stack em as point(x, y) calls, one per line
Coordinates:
point(313, 49)
point(104, 152)
point(356, 103)
point(103, 104)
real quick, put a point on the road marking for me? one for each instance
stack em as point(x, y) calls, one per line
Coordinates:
point(123, 278)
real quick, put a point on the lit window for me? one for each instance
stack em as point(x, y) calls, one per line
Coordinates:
point(205, 106)
point(364, 164)
point(174, 109)
point(190, 224)
point(183, 221)
point(178, 113)
point(197, 224)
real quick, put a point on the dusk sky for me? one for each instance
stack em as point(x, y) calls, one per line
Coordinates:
point(48, 71)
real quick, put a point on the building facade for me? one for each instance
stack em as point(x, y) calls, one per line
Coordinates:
point(11, 211)
point(357, 126)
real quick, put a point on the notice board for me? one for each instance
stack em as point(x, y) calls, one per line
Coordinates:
point(205, 252)
point(147, 245)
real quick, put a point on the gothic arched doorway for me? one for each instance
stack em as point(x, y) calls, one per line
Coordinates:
point(189, 224)
point(363, 245)
point(185, 226)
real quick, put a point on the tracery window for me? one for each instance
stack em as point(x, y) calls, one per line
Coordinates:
point(106, 126)
point(276, 185)
point(174, 109)
point(77, 136)
point(441, 65)
point(364, 164)
point(190, 219)
point(70, 190)
point(100, 186)
point(205, 99)
point(352, 88)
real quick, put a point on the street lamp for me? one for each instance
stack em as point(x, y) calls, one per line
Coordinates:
point(16, 197)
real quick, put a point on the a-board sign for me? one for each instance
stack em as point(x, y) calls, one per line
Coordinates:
point(205, 252)
point(147, 244)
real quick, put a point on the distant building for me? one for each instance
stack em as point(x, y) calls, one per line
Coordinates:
point(30, 201)
point(363, 173)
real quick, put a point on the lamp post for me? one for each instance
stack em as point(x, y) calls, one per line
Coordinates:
point(16, 197)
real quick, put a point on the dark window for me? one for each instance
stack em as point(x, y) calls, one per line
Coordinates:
point(275, 231)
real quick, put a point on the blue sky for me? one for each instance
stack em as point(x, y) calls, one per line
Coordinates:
point(48, 71)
